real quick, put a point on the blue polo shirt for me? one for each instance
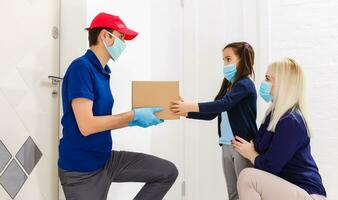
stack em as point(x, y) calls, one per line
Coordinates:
point(85, 78)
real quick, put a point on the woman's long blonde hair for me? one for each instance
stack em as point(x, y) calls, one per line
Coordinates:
point(290, 91)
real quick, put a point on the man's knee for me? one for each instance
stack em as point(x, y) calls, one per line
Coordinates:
point(171, 171)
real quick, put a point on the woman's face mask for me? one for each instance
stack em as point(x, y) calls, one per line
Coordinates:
point(266, 90)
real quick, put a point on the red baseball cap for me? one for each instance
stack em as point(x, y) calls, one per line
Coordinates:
point(105, 20)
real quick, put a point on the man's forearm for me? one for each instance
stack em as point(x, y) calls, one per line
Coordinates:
point(98, 124)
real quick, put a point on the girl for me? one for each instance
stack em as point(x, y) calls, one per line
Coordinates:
point(281, 154)
point(235, 106)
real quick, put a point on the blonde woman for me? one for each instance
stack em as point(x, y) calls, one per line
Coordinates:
point(283, 165)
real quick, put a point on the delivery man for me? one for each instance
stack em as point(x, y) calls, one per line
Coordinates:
point(87, 164)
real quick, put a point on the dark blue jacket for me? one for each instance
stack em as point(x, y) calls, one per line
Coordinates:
point(240, 103)
point(287, 153)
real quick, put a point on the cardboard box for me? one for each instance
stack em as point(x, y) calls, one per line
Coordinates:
point(156, 94)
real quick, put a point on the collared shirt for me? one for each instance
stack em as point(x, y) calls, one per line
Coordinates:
point(85, 78)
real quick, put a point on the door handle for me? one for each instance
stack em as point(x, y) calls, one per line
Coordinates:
point(55, 79)
point(55, 82)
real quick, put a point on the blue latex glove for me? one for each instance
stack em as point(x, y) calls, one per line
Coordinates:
point(144, 117)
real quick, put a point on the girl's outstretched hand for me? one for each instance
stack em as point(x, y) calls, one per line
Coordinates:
point(182, 108)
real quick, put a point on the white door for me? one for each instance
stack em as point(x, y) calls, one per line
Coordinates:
point(29, 53)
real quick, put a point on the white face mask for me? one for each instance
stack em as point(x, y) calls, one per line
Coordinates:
point(116, 49)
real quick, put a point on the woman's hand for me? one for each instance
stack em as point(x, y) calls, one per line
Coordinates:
point(245, 148)
point(182, 108)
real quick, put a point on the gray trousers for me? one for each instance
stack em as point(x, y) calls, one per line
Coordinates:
point(233, 164)
point(157, 174)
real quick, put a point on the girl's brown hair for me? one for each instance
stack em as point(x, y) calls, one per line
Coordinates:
point(246, 56)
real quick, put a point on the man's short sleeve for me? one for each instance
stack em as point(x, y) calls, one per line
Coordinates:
point(80, 82)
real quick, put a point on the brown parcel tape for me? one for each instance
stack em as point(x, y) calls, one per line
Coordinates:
point(156, 94)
